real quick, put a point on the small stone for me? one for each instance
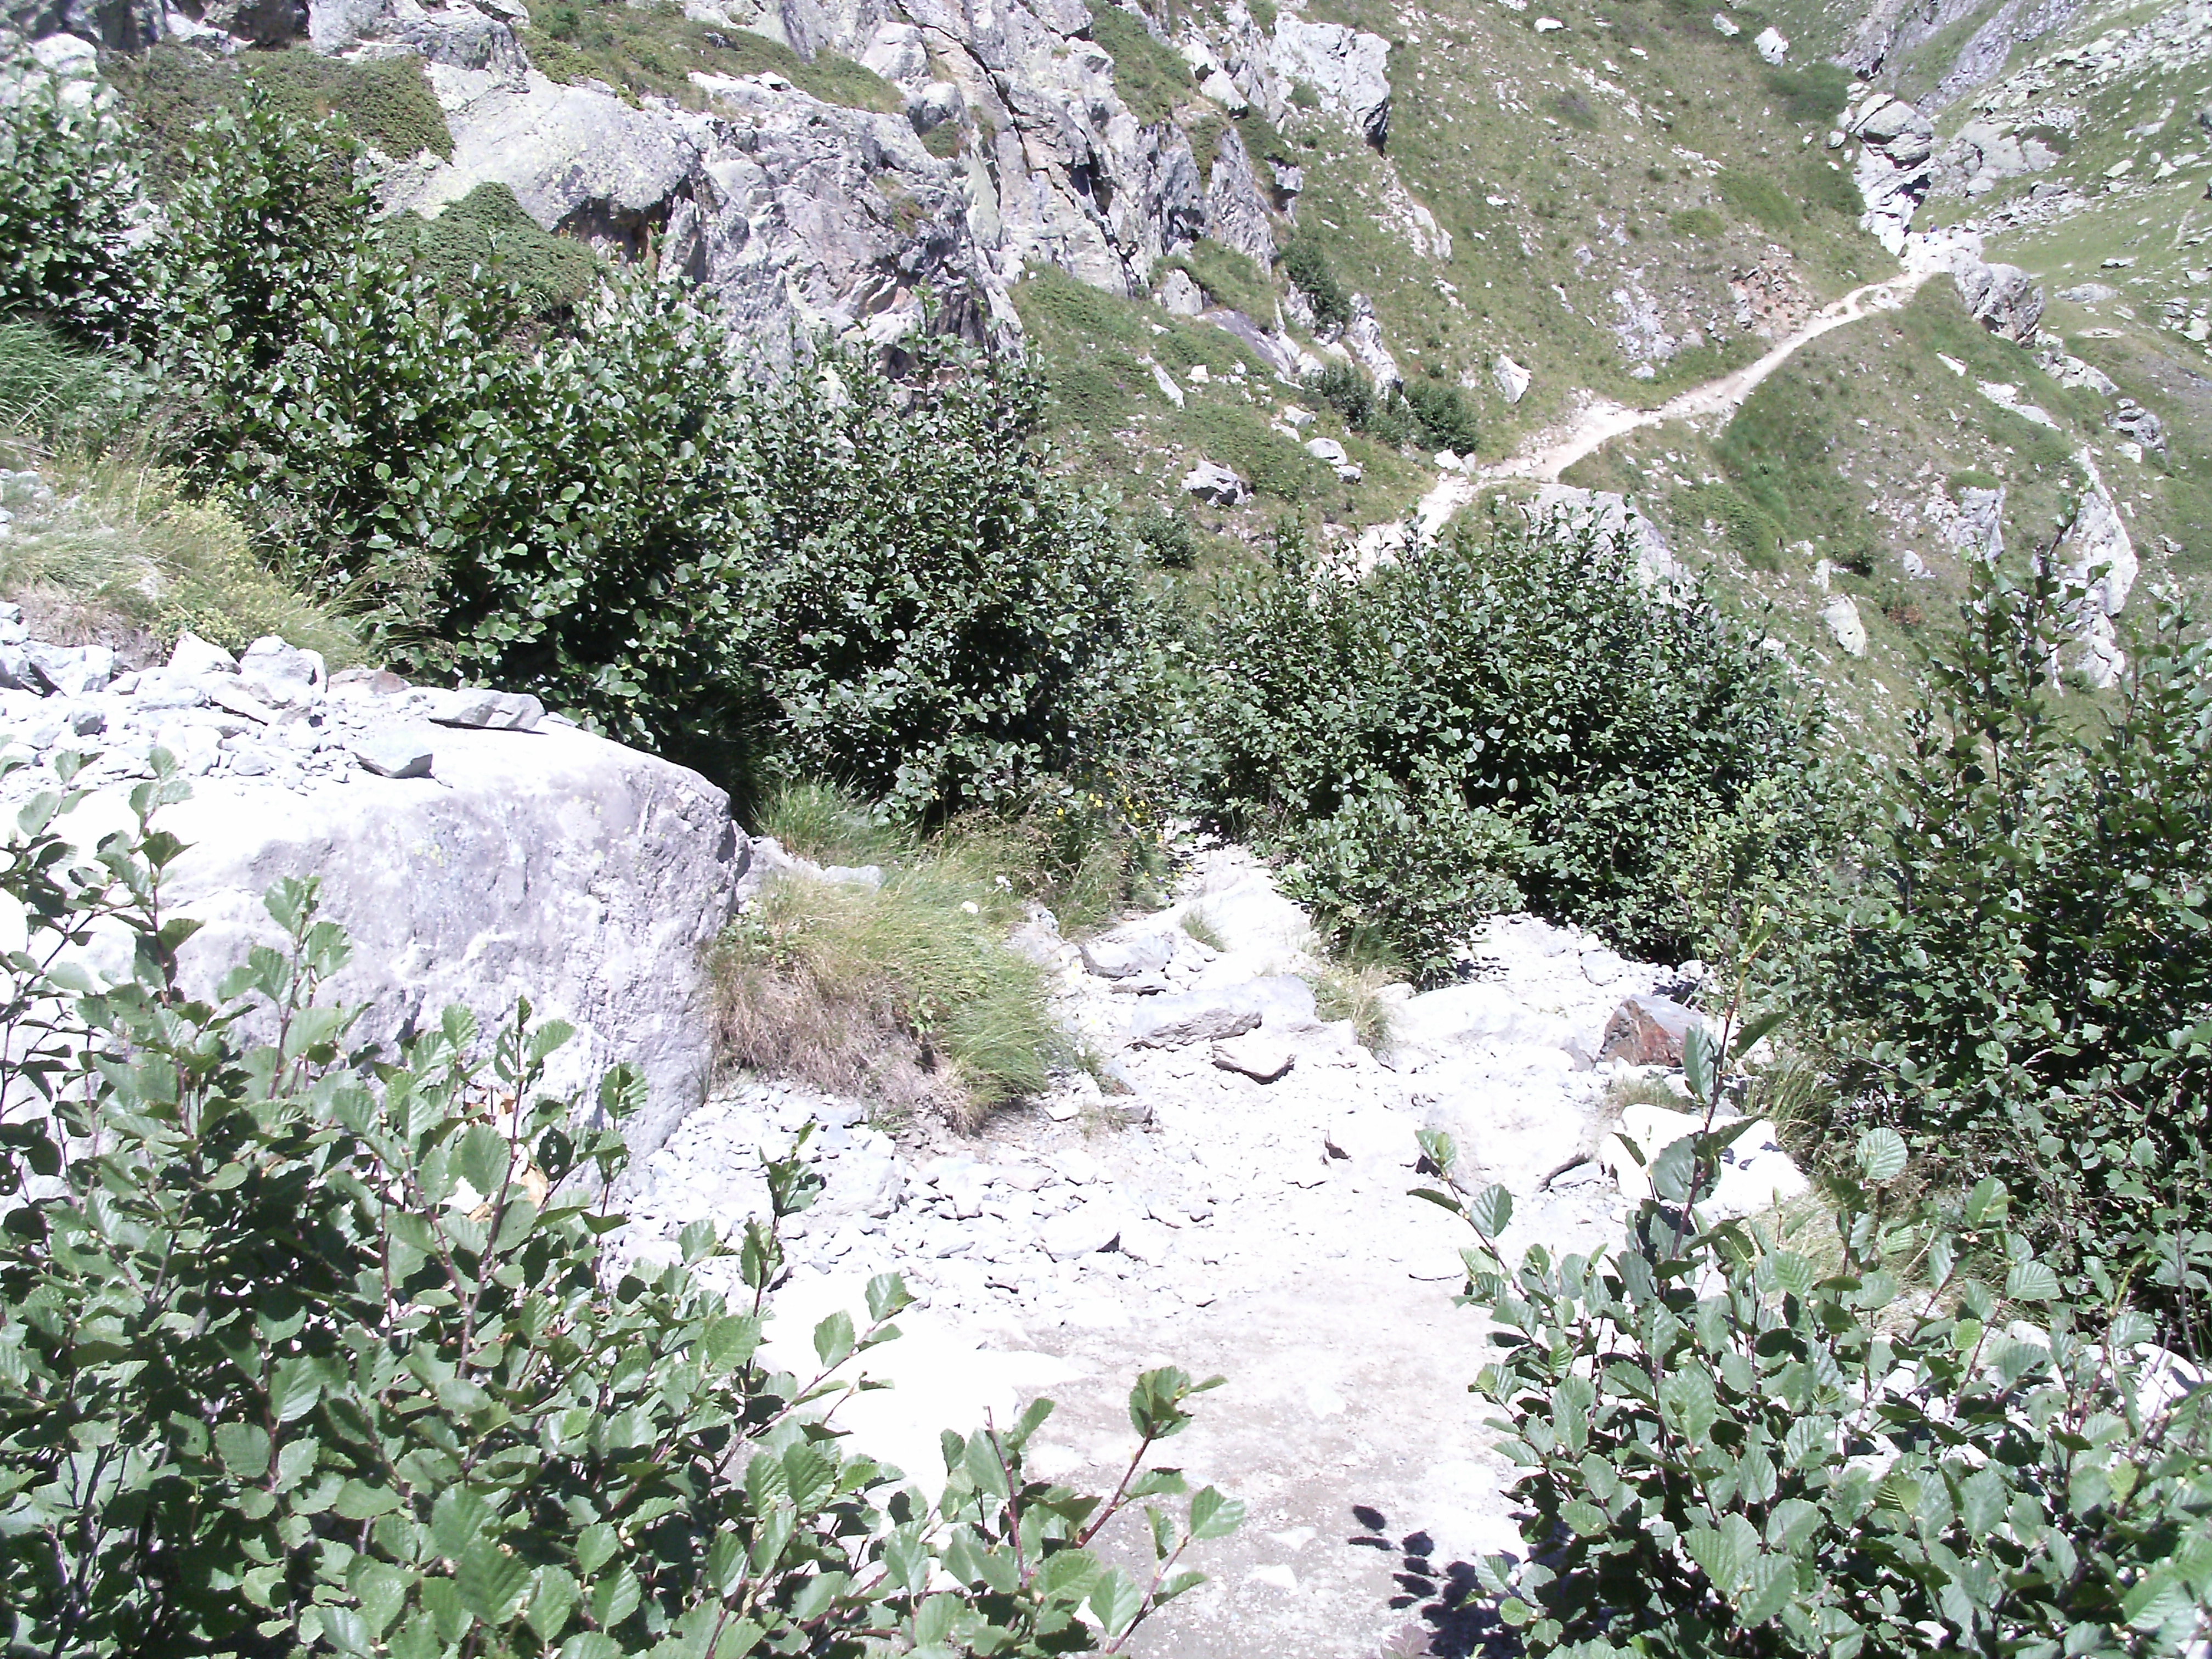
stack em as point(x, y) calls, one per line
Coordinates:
point(394, 754)
point(1772, 45)
point(1179, 296)
point(1084, 1230)
point(487, 711)
point(282, 675)
point(195, 656)
point(1845, 626)
point(1647, 1032)
point(1258, 1056)
point(1725, 24)
point(1215, 484)
point(72, 671)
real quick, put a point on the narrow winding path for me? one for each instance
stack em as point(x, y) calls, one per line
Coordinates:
point(1599, 421)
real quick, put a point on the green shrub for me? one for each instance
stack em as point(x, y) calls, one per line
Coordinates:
point(312, 1350)
point(1501, 676)
point(1150, 75)
point(1758, 199)
point(881, 586)
point(936, 621)
point(1166, 536)
point(1441, 412)
point(1306, 264)
point(1734, 1439)
point(384, 101)
point(1430, 411)
point(170, 88)
point(72, 219)
point(2010, 979)
point(1422, 877)
point(1701, 222)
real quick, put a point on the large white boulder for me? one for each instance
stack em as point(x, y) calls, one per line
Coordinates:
point(500, 864)
point(550, 865)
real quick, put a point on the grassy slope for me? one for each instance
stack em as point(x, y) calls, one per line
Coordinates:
point(1559, 163)
point(1839, 455)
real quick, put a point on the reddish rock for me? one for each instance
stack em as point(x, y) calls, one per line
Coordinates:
point(1647, 1032)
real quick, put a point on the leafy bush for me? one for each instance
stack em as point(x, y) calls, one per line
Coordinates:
point(73, 225)
point(1418, 876)
point(305, 1349)
point(1701, 223)
point(1445, 420)
point(1305, 262)
point(1503, 677)
point(938, 622)
point(1429, 411)
point(1734, 1439)
point(882, 587)
point(1166, 536)
point(2009, 979)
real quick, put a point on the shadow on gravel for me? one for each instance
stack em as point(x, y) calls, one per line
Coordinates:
point(1448, 1617)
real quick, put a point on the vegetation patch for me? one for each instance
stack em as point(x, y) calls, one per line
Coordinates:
point(170, 88)
point(1759, 199)
point(1230, 278)
point(655, 48)
point(1150, 75)
point(487, 230)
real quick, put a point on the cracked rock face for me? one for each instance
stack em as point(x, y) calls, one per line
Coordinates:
point(804, 216)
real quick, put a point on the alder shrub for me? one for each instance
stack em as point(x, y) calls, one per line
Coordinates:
point(825, 573)
point(1510, 715)
point(2010, 971)
point(1884, 1438)
point(306, 1349)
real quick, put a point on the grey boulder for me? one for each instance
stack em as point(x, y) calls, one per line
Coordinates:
point(570, 870)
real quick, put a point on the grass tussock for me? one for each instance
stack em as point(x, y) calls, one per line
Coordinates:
point(1357, 992)
point(909, 994)
point(906, 994)
point(118, 554)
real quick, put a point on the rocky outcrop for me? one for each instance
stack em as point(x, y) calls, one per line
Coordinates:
point(806, 216)
point(514, 856)
point(1892, 165)
point(1347, 68)
point(2003, 299)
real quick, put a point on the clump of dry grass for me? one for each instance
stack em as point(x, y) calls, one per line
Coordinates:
point(907, 994)
point(1355, 991)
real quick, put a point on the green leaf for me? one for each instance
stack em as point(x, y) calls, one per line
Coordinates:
point(244, 1449)
point(833, 1339)
point(1490, 1211)
point(357, 1501)
point(1214, 1515)
point(1116, 1601)
point(2031, 1281)
point(1068, 1575)
point(1881, 1156)
point(492, 1580)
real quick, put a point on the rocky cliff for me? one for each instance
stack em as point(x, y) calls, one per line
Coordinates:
point(1010, 138)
